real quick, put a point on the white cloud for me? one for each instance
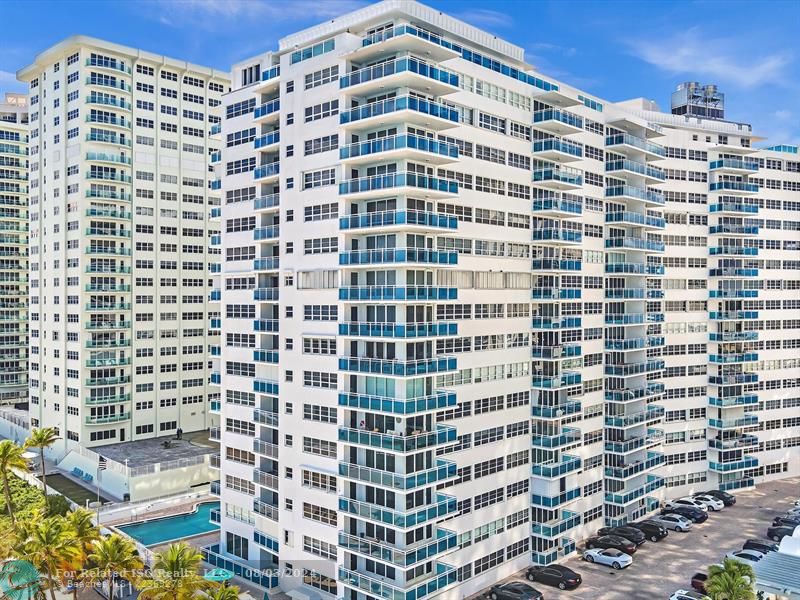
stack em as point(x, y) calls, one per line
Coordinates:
point(485, 17)
point(725, 60)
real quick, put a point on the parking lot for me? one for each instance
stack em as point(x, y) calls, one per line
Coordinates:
point(660, 568)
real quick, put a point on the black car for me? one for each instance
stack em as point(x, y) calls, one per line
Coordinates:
point(787, 520)
point(555, 575)
point(776, 534)
point(652, 530)
point(695, 515)
point(516, 590)
point(627, 532)
point(762, 546)
point(699, 581)
point(727, 499)
point(611, 541)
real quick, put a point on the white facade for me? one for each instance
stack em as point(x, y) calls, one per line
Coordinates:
point(121, 194)
point(14, 249)
point(457, 332)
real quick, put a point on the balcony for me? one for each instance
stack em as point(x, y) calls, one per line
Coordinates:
point(374, 186)
point(399, 147)
point(555, 501)
point(557, 122)
point(397, 330)
point(734, 208)
point(733, 251)
point(736, 484)
point(635, 243)
point(444, 506)
point(397, 368)
point(405, 72)
point(402, 109)
point(111, 82)
point(557, 236)
point(267, 202)
point(406, 38)
point(733, 379)
point(117, 140)
point(653, 483)
point(555, 264)
point(108, 343)
point(633, 369)
point(265, 448)
point(94, 363)
point(556, 322)
point(110, 121)
point(732, 357)
point(650, 415)
point(410, 441)
point(397, 406)
point(107, 195)
point(632, 268)
point(444, 470)
point(734, 166)
point(106, 63)
point(107, 288)
point(737, 442)
point(633, 344)
point(409, 219)
point(555, 293)
point(637, 169)
point(265, 509)
point(267, 172)
point(635, 219)
point(102, 400)
point(267, 111)
point(733, 401)
point(109, 250)
point(266, 233)
point(654, 459)
point(733, 272)
point(556, 206)
point(629, 192)
point(444, 540)
point(557, 468)
point(407, 293)
point(565, 547)
point(108, 213)
point(377, 587)
point(108, 232)
point(556, 352)
point(550, 382)
point(733, 187)
point(748, 462)
point(569, 436)
point(267, 141)
point(733, 230)
point(733, 315)
point(398, 255)
point(557, 150)
point(265, 356)
point(265, 479)
point(558, 178)
point(110, 418)
point(268, 263)
point(118, 269)
point(732, 293)
point(266, 325)
point(745, 421)
point(630, 145)
point(623, 320)
point(555, 527)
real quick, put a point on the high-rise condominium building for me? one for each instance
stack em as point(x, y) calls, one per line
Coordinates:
point(470, 314)
point(14, 249)
point(120, 197)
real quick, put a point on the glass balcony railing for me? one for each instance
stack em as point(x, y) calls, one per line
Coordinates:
point(397, 368)
point(557, 174)
point(555, 264)
point(398, 255)
point(111, 82)
point(444, 470)
point(108, 63)
point(635, 219)
point(653, 483)
point(399, 65)
point(629, 191)
point(555, 115)
point(444, 540)
point(268, 325)
point(267, 108)
point(398, 406)
point(734, 207)
point(398, 142)
point(652, 413)
point(554, 501)
point(745, 421)
point(733, 229)
point(109, 418)
point(636, 368)
point(736, 484)
point(107, 231)
point(555, 381)
point(641, 343)
point(556, 352)
point(733, 186)
point(558, 468)
point(395, 180)
point(748, 462)
point(395, 441)
point(397, 330)
point(737, 442)
point(558, 145)
point(266, 233)
point(635, 243)
point(733, 401)
point(567, 437)
point(398, 217)
point(380, 292)
point(269, 201)
point(627, 139)
point(555, 204)
point(733, 163)
point(733, 250)
point(556, 234)
point(730, 358)
point(632, 394)
point(267, 140)
point(731, 293)
point(556, 322)
point(443, 506)
point(633, 166)
point(268, 263)
point(268, 170)
point(733, 315)
point(392, 105)
point(555, 293)
point(564, 522)
point(733, 379)
point(265, 356)
point(732, 272)
point(632, 268)
point(106, 100)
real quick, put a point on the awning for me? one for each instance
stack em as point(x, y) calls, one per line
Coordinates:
point(779, 573)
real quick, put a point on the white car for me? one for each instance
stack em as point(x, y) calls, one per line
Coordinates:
point(688, 595)
point(710, 502)
point(610, 556)
point(748, 557)
point(672, 521)
point(687, 501)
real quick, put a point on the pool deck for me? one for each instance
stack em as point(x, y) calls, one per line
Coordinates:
point(168, 511)
point(140, 453)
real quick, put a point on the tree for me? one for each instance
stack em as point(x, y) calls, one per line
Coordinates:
point(731, 581)
point(41, 439)
point(10, 458)
point(222, 592)
point(110, 556)
point(174, 575)
point(51, 548)
point(56, 505)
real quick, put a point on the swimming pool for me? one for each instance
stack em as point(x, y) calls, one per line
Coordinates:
point(165, 529)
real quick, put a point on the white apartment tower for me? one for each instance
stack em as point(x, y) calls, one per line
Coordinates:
point(14, 249)
point(471, 314)
point(120, 259)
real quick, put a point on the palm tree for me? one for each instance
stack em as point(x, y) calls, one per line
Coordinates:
point(41, 439)
point(52, 549)
point(222, 592)
point(731, 581)
point(111, 555)
point(10, 458)
point(174, 575)
point(82, 528)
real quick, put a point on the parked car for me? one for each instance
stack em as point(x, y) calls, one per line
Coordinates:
point(728, 499)
point(695, 515)
point(610, 556)
point(556, 575)
point(688, 595)
point(653, 530)
point(748, 557)
point(795, 510)
point(611, 541)
point(673, 521)
point(762, 546)
point(699, 581)
point(515, 590)
point(627, 532)
point(777, 533)
point(690, 502)
point(788, 520)
point(711, 503)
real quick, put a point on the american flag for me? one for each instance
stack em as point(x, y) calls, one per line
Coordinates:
point(102, 464)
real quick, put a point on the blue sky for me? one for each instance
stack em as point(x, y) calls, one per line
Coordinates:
point(613, 49)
